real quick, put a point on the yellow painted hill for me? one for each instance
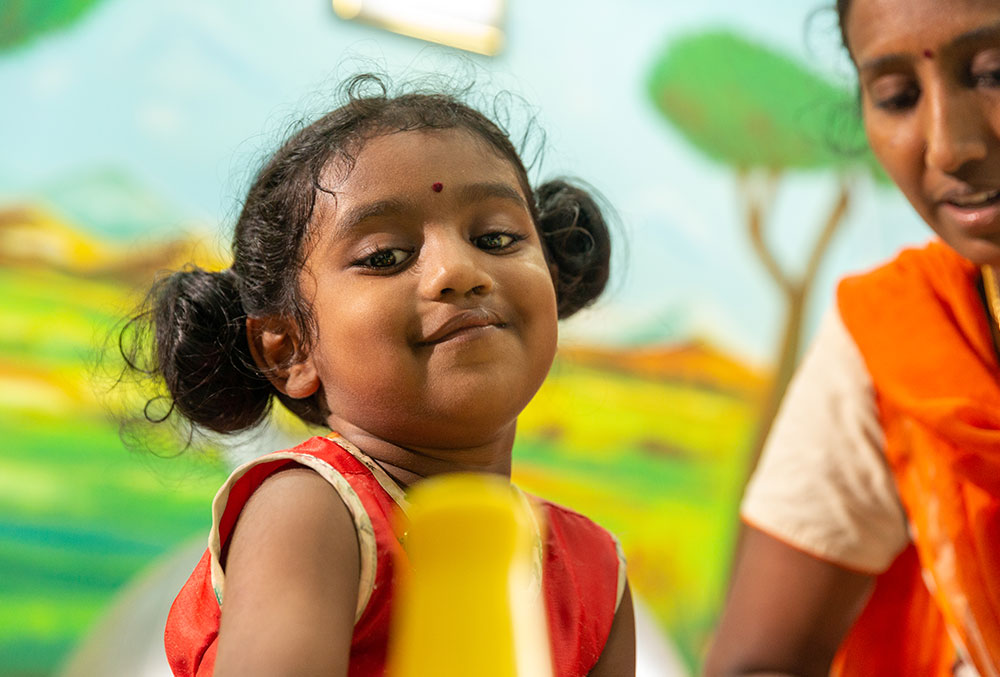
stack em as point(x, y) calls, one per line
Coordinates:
point(34, 237)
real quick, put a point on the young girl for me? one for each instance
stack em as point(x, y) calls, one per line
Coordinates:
point(873, 540)
point(397, 280)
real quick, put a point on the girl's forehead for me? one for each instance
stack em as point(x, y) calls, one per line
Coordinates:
point(420, 170)
point(397, 160)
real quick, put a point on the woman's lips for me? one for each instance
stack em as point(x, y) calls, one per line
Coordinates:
point(973, 199)
point(978, 213)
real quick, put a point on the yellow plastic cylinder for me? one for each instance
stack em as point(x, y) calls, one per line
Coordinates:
point(469, 601)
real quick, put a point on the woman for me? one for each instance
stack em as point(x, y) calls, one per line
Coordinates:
point(872, 544)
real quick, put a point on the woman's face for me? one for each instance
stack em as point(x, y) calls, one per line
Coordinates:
point(929, 72)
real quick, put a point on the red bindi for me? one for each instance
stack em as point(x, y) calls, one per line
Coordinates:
point(928, 54)
point(437, 187)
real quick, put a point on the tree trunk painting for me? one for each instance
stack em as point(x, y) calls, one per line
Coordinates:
point(764, 115)
point(795, 290)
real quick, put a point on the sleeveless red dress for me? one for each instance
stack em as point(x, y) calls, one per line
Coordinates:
point(582, 569)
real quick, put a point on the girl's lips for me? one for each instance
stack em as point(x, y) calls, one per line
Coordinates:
point(463, 324)
point(467, 333)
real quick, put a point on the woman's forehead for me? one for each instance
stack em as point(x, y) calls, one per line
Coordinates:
point(879, 28)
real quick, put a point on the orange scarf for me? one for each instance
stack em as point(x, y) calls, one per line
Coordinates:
point(922, 329)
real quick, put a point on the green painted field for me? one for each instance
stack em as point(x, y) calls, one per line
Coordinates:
point(80, 514)
point(79, 517)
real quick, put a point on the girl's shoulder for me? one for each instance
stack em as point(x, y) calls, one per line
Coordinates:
point(576, 538)
point(291, 484)
point(371, 498)
point(584, 581)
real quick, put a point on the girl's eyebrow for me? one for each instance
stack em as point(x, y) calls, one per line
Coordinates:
point(470, 192)
point(355, 215)
point(980, 34)
point(492, 189)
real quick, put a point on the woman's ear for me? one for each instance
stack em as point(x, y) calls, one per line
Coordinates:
point(281, 355)
point(554, 274)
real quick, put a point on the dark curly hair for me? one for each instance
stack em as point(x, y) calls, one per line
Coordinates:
point(191, 333)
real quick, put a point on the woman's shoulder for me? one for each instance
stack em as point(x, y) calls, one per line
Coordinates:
point(911, 267)
point(823, 484)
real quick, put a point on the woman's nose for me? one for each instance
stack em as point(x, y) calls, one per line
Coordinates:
point(956, 130)
point(451, 268)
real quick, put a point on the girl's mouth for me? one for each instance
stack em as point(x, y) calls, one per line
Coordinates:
point(463, 324)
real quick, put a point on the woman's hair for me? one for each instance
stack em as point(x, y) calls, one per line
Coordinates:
point(843, 6)
point(192, 333)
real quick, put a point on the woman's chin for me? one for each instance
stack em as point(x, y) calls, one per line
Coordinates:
point(982, 252)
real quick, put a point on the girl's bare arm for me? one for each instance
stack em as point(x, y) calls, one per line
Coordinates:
point(292, 575)
point(618, 657)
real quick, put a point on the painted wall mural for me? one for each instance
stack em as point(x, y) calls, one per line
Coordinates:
point(723, 134)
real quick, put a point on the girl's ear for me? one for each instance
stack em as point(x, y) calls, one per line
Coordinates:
point(280, 354)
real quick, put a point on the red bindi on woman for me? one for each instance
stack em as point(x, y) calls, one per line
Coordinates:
point(437, 187)
point(928, 54)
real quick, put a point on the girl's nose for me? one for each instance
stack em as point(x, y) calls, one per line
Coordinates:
point(451, 269)
point(956, 130)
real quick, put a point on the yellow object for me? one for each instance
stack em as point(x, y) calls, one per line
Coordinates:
point(470, 600)
point(472, 25)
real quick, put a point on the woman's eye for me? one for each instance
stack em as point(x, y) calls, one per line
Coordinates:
point(384, 258)
point(494, 241)
point(895, 92)
point(984, 69)
point(898, 101)
point(986, 78)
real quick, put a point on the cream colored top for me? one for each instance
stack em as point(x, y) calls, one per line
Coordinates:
point(823, 484)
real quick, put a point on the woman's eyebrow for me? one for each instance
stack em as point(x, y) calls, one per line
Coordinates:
point(883, 62)
point(983, 33)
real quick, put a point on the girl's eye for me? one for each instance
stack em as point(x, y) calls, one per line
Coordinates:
point(383, 259)
point(495, 241)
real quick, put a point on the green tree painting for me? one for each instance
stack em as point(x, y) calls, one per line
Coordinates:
point(764, 115)
point(22, 21)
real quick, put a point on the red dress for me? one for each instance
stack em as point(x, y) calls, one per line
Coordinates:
point(582, 570)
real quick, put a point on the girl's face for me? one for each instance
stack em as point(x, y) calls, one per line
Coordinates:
point(929, 72)
point(434, 305)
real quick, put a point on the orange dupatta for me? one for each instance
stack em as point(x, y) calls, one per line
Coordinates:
point(921, 327)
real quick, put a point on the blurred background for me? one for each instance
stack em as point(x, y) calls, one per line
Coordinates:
point(723, 133)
